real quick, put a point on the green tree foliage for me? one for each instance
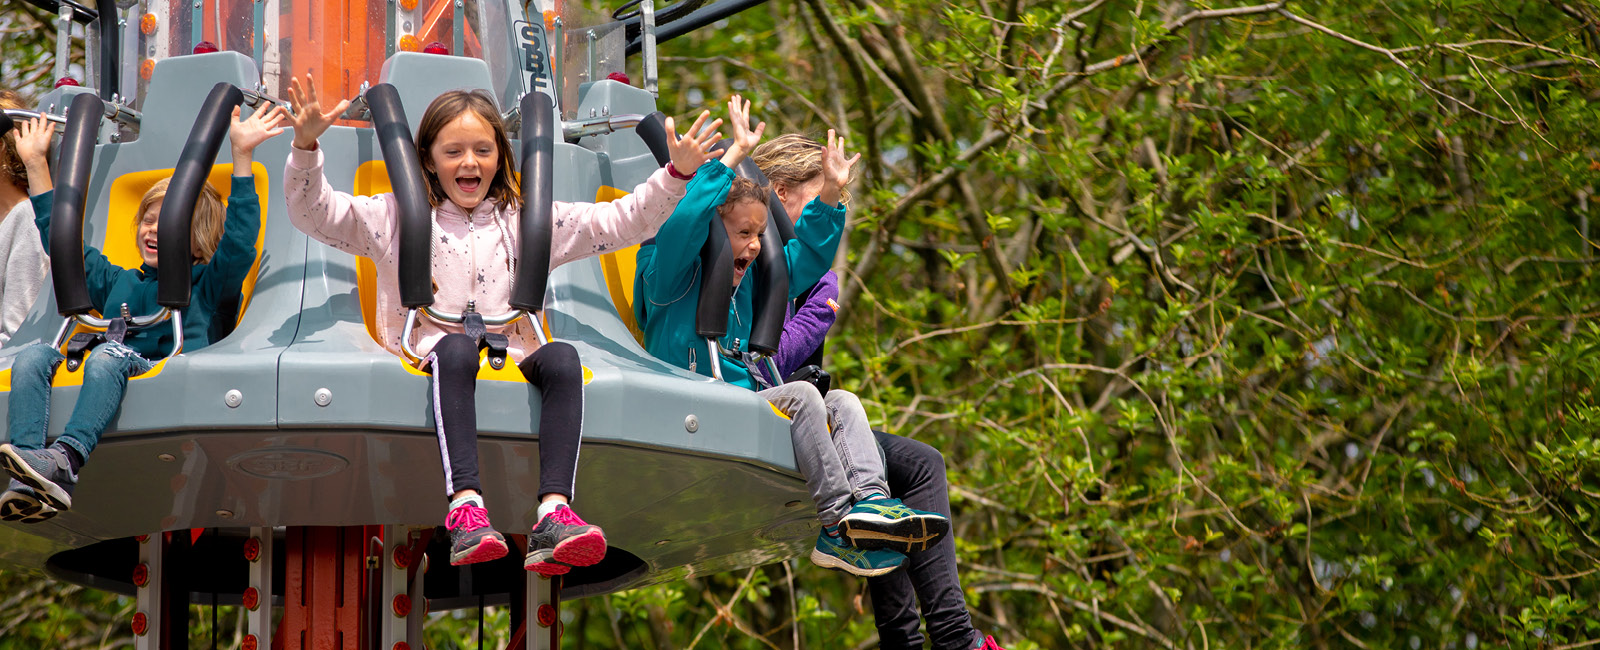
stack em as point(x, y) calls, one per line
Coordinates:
point(1239, 324)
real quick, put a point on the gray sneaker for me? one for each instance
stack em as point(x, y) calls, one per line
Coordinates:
point(20, 503)
point(44, 470)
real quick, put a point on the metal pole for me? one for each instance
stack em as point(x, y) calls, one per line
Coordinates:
point(650, 71)
point(63, 39)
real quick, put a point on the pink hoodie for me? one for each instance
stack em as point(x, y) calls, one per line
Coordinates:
point(472, 256)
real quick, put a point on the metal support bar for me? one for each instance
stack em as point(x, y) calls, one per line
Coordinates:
point(572, 131)
point(651, 73)
point(397, 560)
point(458, 27)
point(716, 358)
point(544, 612)
point(63, 39)
point(258, 593)
point(147, 581)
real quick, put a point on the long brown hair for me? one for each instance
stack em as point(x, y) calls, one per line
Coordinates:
point(11, 168)
point(444, 110)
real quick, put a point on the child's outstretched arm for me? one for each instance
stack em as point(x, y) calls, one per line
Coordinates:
point(236, 253)
point(807, 329)
point(821, 226)
point(585, 229)
point(33, 147)
point(360, 225)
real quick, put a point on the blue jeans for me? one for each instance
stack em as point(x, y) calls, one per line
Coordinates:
point(105, 378)
point(928, 578)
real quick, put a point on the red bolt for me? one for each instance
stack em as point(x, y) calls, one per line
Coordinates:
point(252, 549)
point(252, 599)
point(205, 47)
point(141, 575)
point(66, 81)
point(547, 615)
point(250, 642)
point(141, 624)
point(142, 538)
point(435, 48)
point(401, 645)
point(402, 605)
point(402, 559)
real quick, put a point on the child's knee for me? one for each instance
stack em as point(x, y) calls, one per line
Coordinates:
point(38, 355)
point(843, 399)
point(558, 362)
point(456, 353)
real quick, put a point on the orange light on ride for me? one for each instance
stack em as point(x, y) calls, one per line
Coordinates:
point(549, 20)
point(205, 47)
point(66, 81)
point(147, 68)
point(148, 24)
point(408, 5)
point(409, 43)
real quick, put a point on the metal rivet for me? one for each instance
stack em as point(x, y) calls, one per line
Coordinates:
point(323, 397)
point(166, 457)
point(225, 514)
point(605, 110)
point(691, 424)
point(233, 398)
point(663, 542)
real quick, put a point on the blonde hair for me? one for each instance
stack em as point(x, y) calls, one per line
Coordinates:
point(791, 160)
point(11, 166)
point(205, 228)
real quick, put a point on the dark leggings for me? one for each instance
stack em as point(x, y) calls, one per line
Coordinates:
point(553, 369)
point(928, 578)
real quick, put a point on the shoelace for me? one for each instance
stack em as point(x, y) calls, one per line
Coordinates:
point(467, 517)
point(567, 517)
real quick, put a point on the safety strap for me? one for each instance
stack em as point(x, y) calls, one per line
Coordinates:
point(472, 323)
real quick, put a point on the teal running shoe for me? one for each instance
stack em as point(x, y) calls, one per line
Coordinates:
point(888, 524)
point(832, 553)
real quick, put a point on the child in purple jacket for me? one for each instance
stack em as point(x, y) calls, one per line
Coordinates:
point(915, 470)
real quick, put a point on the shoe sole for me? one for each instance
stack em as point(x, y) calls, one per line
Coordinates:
point(26, 510)
point(489, 548)
point(906, 534)
point(583, 550)
point(51, 494)
point(830, 562)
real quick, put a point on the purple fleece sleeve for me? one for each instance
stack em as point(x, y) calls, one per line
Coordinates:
point(805, 330)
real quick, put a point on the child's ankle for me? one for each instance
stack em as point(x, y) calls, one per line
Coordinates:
point(474, 499)
point(75, 460)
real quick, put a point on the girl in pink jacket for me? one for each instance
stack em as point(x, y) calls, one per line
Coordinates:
point(467, 161)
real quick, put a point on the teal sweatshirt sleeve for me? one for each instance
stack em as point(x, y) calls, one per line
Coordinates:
point(666, 269)
point(237, 250)
point(99, 273)
point(816, 239)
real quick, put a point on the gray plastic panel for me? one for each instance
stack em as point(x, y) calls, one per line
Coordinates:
point(422, 77)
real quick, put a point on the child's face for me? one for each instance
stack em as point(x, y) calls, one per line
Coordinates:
point(745, 221)
point(465, 158)
point(794, 198)
point(145, 235)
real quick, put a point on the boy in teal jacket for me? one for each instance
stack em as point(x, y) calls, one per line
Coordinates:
point(833, 444)
point(43, 478)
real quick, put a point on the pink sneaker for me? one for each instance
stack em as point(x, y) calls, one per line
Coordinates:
point(989, 644)
point(561, 541)
point(472, 539)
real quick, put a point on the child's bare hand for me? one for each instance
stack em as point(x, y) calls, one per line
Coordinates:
point(33, 141)
point(247, 134)
point(739, 117)
point(835, 169)
point(308, 119)
point(694, 149)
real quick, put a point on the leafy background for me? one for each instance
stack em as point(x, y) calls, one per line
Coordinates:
point(1239, 324)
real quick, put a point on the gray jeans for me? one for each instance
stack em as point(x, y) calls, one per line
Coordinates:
point(833, 445)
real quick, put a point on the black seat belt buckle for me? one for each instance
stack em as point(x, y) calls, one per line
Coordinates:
point(496, 343)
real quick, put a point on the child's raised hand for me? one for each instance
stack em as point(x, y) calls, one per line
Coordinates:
point(739, 116)
point(248, 133)
point(33, 147)
point(33, 140)
point(694, 149)
point(835, 169)
point(308, 119)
